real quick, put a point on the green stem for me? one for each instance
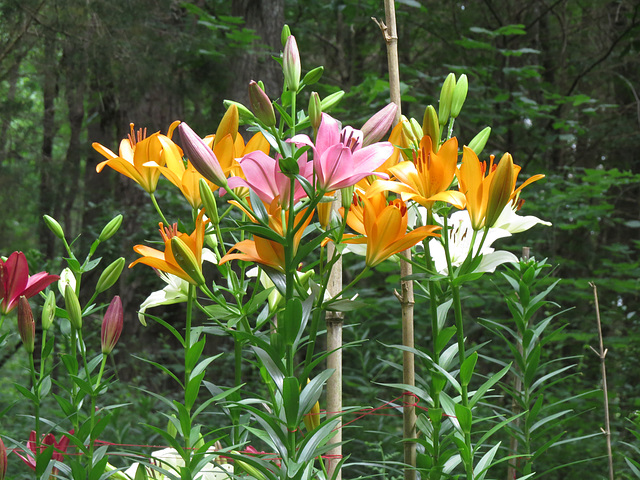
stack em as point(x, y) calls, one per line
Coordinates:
point(155, 204)
point(457, 309)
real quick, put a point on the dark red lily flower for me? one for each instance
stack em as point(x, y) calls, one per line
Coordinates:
point(59, 448)
point(16, 282)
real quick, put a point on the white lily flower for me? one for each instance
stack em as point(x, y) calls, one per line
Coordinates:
point(169, 459)
point(66, 278)
point(460, 237)
point(513, 223)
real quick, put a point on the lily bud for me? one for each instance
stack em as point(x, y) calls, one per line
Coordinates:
point(416, 128)
point(500, 189)
point(315, 111)
point(407, 131)
point(286, 33)
point(261, 105)
point(54, 226)
point(313, 76)
point(66, 278)
point(202, 157)
point(347, 196)
point(26, 325)
point(3, 460)
point(379, 124)
point(72, 304)
point(331, 101)
point(324, 209)
point(49, 310)
point(110, 275)
point(446, 94)
point(459, 95)
point(431, 127)
point(480, 140)
point(291, 64)
point(112, 325)
point(110, 228)
point(228, 125)
point(209, 202)
point(186, 260)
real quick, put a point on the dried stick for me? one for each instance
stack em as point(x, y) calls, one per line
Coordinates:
point(406, 298)
point(334, 361)
point(602, 354)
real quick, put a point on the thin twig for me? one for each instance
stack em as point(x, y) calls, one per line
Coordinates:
point(602, 354)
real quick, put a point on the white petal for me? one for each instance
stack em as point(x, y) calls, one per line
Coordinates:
point(490, 261)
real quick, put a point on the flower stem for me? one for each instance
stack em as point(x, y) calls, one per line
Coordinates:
point(457, 309)
point(155, 204)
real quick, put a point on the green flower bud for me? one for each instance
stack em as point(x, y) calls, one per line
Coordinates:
point(459, 95)
point(54, 226)
point(346, 196)
point(315, 111)
point(407, 130)
point(72, 304)
point(286, 33)
point(110, 275)
point(313, 76)
point(291, 64)
point(446, 94)
point(261, 105)
point(431, 126)
point(331, 101)
point(49, 310)
point(171, 428)
point(26, 325)
point(186, 260)
point(416, 129)
point(209, 202)
point(110, 228)
point(480, 140)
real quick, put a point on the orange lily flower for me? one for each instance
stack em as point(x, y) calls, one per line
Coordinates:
point(384, 228)
point(486, 196)
point(268, 252)
point(427, 179)
point(166, 261)
point(136, 151)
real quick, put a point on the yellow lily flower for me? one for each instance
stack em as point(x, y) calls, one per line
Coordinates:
point(487, 195)
point(426, 179)
point(139, 156)
point(384, 228)
point(166, 261)
point(268, 252)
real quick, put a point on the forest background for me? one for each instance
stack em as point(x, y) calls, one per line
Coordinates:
point(559, 82)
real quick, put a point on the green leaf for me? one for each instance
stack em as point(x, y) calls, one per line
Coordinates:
point(193, 387)
point(484, 388)
point(291, 401)
point(161, 367)
point(482, 467)
point(261, 231)
point(444, 336)
point(193, 354)
point(463, 414)
point(290, 327)
point(27, 393)
point(467, 367)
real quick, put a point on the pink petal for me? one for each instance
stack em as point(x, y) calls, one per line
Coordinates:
point(371, 157)
point(38, 282)
point(328, 133)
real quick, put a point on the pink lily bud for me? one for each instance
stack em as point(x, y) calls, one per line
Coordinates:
point(202, 157)
point(379, 124)
point(26, 325)
point(261, 105)
point(3, 460)
point(291, 64)
point(111, 325)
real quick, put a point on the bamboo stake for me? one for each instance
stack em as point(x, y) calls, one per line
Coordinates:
point(406, 297)
point(602, 354)
point(334, 361)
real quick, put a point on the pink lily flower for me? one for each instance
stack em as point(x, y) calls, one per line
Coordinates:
point(59, 449)
point(338, 157)
point(16, 282)
point(264, 177)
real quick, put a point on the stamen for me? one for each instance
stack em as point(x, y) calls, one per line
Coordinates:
point(136, 137)
point(168, 233)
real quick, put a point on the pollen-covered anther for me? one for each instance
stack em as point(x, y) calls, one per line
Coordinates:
point(168, 232)
point(136, 137)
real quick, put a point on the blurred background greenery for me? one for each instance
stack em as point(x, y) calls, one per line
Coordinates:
point(557, 80)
